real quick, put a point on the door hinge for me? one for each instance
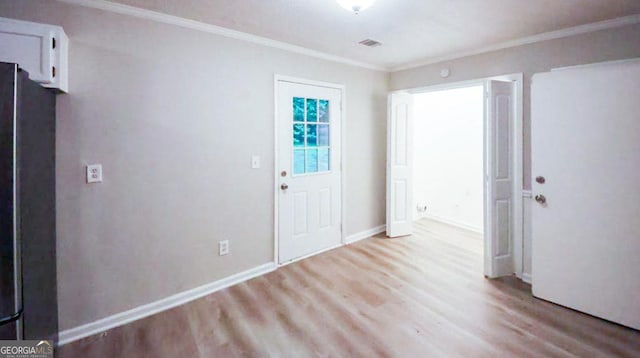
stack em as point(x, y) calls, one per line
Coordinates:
point(53, 71)
point(53, 43)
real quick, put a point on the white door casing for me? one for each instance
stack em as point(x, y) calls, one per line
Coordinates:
point(503, 93)
point(586, 144)
point(399, 164)
point(499, 169)
point(309, 152)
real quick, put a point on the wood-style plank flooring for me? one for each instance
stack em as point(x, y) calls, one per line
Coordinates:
point(417, 296)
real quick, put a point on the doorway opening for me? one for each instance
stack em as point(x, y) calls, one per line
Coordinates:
point(455, 158)
point(448, 180)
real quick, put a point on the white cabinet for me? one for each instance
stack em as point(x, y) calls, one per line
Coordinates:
point(42, 50)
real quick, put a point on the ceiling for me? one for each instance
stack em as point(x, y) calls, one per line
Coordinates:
point(411, 31)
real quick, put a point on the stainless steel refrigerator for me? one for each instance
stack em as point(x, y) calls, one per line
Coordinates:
point(28, 298)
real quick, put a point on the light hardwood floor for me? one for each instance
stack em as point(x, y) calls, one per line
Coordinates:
point(417, 296)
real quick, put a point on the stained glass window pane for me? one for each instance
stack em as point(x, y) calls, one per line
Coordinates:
point(323, 110)
point(323, 159)
point(298, 161)
point(312, 135)
point(323, 135)
point(312, 161)
point(298, 109)
point(312, 110)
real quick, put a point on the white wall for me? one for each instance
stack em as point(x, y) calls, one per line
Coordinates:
point(448, 156)
point(174, 115)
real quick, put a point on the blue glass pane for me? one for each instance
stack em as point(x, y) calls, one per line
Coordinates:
point(312, 135)
point(312, 110)
point(298, 109)
point(323, 110)
point(323, 160)
point(298, 135)
point(323, 135)
point(312, 161)
point(298, 161)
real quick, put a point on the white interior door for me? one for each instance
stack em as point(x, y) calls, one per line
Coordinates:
point(500, 184)
point(586, 230)
point(399, 165)
point(309, 179)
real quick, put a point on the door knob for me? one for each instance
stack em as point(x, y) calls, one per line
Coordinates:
point(284, 186)
point(541, 199)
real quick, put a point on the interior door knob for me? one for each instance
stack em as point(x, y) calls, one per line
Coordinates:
point(284, 186)
point(541, 199)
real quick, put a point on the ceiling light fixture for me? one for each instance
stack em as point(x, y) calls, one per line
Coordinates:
point(355, 5)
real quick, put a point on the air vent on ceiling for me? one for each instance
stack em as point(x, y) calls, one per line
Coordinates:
point(370, 43)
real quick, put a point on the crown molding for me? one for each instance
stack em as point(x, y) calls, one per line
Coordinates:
point(141, 13)
point(546, 36)
point(216, 30)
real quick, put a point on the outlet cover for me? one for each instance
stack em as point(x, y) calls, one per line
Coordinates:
point(94, 173)
point(223, 247)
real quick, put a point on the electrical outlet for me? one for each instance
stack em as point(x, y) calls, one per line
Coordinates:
point(223, 247)
point(94, 173)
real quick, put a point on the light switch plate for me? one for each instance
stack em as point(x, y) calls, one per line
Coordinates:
point(255, 162)
point(94, 173)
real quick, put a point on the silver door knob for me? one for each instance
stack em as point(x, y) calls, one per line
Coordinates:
point(284, 186)
point(541, 199)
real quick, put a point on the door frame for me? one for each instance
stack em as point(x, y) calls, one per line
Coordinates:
point(517, 159)
point(277, 78)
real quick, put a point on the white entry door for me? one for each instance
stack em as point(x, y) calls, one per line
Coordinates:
point(585, 143)
point(308, 170)
point(399, 165)
point(500, 215)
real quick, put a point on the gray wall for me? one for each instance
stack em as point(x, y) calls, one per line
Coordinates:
point(607, 45)
point(174, 116)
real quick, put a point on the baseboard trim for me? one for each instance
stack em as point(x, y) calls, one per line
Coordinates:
point(364, 234)
point(119, 319)
point(526, 277)
point(454, 223)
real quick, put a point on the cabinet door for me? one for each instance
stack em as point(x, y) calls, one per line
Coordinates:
point(29, 45)
point(38, 48)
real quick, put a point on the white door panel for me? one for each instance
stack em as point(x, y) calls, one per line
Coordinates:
point(586, 144)
point(309, 208)
point(499, 147)
point(399, 165)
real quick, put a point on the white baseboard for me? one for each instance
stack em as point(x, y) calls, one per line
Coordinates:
point(454, 223)
point(364, 234)
point(526, 277)
point(149, 309)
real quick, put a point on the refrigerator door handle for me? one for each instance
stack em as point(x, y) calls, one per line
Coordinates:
point(11, 318)
point(17, 254)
